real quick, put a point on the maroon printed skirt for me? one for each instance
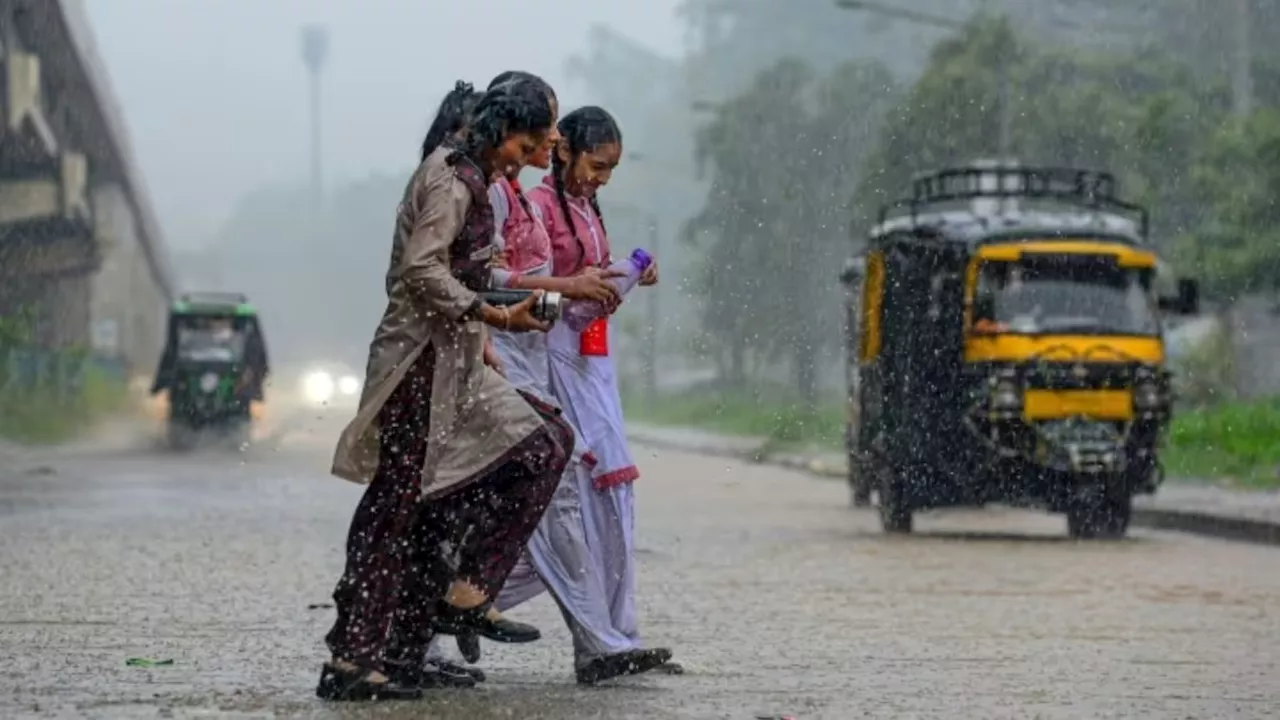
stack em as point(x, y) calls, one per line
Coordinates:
point(403, 551)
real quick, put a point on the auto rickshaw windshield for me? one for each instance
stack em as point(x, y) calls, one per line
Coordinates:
point(210, 340)
point(1076, 298)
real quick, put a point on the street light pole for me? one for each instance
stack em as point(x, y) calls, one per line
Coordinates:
point(1005, 82)
point(315, 50)
point(651, 350)
point(1242, 81)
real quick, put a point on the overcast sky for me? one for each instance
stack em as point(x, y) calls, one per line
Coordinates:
point(215, 93)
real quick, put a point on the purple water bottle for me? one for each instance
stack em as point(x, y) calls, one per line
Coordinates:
point(577, 314)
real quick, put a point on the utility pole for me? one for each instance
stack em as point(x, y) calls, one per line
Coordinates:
point(315, 51)
point(652, 306)
point(1242, 80)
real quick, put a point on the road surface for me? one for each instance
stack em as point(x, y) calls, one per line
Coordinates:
point(778, 598)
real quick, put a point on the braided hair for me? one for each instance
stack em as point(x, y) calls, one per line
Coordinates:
point(455, 109)
point(513, 107)
point(582, 131)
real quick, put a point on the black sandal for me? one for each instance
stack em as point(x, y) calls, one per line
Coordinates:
point(429, 676)
point(469, 647)
point(456, 621)
point(630, 662)
point(342, 685)
point(450, 668)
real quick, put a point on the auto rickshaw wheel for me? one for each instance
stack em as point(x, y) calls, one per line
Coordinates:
point(895, 514)
point(1100, 517)
point(859, 484)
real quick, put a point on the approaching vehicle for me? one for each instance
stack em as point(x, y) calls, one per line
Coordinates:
point(1005, 345)
point(330, 384)
point(214, 367)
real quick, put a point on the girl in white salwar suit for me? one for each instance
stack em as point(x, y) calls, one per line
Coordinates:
point(583, 375)
point(568, 553)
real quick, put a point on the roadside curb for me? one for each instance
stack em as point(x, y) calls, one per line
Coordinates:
point(1224, 527)
point(1208, 525)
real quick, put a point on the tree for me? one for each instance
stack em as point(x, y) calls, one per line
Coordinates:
point(1236, 250)
point(1163, 128)
point(783, 158)
point(1133, 115)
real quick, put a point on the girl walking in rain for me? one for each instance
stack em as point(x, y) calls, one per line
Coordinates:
point(559, 556)
point(460, 465)
point(584, 381)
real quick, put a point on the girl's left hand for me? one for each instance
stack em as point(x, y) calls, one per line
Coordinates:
point(499, 261)
point(650, 275)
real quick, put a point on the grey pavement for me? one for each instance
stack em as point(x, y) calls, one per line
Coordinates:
point(779, 599)
point(1177, 497)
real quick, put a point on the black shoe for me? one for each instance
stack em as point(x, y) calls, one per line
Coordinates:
point(631, 662)
point(445, 666)
point(671, 668)
point(469, 646)
point(429, 677)
point(339, 685)
point(450, 620)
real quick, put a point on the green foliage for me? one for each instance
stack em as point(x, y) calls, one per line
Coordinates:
point(51, 413)
point(766, 412)
point(15, 329)
point(1237, 249)
point(1235, 441)
point(783, 159)
point(1135, 116)
point(787, 153)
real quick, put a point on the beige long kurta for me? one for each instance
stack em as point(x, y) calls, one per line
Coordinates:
point(476, 415)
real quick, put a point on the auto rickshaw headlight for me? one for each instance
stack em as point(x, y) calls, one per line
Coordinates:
point(1005, 396)
point(1146, 396)
point(208, 382)
point(349, 385)
point(318, 387)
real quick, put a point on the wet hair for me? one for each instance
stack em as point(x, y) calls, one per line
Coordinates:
point(455, 109)
point(522, 76)
point(512, 107)
point(582, 131)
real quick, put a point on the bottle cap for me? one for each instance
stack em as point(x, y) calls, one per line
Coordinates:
point(641, 258)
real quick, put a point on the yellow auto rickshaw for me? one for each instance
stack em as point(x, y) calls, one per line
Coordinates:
point(1005, 346)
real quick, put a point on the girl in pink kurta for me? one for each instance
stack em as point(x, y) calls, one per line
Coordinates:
point(583, 375)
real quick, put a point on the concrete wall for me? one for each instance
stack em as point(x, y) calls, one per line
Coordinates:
point(128, 308)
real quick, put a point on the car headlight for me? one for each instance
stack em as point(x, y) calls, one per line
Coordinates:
point(208, 382)
point(349, 385)
point(318, 387)
point(1005, 395)
point(1146, 396)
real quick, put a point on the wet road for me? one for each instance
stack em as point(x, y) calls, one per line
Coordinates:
point(779, 599)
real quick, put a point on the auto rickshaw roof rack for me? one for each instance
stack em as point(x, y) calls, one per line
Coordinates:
point(1090, 190)
point(215, 298)
point(226, 302)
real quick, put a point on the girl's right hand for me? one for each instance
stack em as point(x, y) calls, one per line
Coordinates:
point(520, 318)
point(593, 284)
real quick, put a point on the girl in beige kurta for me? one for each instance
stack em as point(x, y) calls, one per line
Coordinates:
point(460, 465)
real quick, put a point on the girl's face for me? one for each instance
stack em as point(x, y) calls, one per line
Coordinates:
point(516, 151)
point(542, 158)
point(591, 170)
